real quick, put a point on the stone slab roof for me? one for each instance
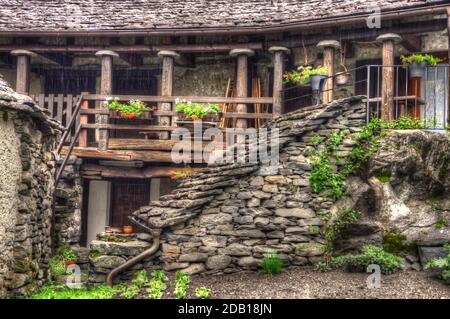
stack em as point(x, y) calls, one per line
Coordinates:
point(9, 99)
point(102, 15)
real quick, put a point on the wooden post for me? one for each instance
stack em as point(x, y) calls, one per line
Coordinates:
point(278, 67)
point(329, 48)
point(105, 89)
point(168, 59)
point(82, 140)
point(23, 71)
point(241, 80)
point(387, 81)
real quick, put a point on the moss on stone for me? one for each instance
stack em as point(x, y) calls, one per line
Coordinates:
point(384, 177)
point(395, 244)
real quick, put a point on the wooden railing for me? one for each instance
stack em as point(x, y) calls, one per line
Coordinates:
point(78, 114)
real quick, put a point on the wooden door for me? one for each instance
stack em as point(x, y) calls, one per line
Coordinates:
point(127, 197)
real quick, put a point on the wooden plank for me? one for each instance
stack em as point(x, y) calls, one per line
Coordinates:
point(121, 155)
point(23, 74)
point(69, 107)
point(130, 127)
point(41, 100)
point(145, 144)
point(83, 120)
point(51, 100)
point(59, 107)
point(94, 170)
point(171, 99)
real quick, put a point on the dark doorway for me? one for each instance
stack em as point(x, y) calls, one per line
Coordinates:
point(127, 196)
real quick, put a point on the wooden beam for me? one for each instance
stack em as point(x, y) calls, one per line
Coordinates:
point(168, 59)
point(83, 120)
point(147, 145)
point(106, 89)
point(171, 99)
point(93, 170)
point(23, 71)
point(141, 49)
point(121, 155)
point(411, 42)
point(278, 68)
point(329, 47)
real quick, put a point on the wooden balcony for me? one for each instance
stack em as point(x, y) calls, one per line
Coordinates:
point(135, 140)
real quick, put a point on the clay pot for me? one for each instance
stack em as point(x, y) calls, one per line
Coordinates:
point(69, 262)
point(127, 230)
point(341, 78)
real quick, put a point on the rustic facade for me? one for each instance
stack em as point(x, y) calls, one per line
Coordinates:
point(71, 56)
point(27, 183)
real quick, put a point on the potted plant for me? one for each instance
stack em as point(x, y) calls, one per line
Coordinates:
point(197, 111)
point(69, 256)
point(131, 110)
point(342, 78)
point(127, 229)
point(307, 74)
point(417, 64)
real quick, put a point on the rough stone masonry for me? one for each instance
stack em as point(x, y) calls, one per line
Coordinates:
point(28, 138)
point(226, 218)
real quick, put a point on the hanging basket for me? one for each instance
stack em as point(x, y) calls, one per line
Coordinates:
point(417, 70)
point(342, 78)
point(317, 81)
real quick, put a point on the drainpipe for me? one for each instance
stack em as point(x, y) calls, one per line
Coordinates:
point(135, 260)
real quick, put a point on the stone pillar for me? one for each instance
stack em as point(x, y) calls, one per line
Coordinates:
point(168, 60)
point(105, 89)
point(387, 81)
point(329, 48)
point(23, 71)
point(278, 67)
point(241, 80)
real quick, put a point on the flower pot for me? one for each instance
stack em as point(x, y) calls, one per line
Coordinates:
point(317, 81)
point(417, 70)
point(67, 263)
point(341, 78)
point(127, 230)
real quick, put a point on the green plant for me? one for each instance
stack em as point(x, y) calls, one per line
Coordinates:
point(395, 244)
point(157, 285)
point(181, 284)
point(272, 264)
point(128, 291)
point(419, 58)
point(406, 123)
point(384, 176)
point(57, 267)
point(196, 111)
point(68, 254)
point(441, 223)
point(140, 279)
point(132, 109)
point(203, 293)
point(181, 174)
point(302, 74)
point(334, 226)
point(369, 255)
point(316, 140)
point(51, 291)
point(441, 263)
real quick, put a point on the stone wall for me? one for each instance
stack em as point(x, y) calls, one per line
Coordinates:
point(228, 217)
point(26, 189)
point(68, 204)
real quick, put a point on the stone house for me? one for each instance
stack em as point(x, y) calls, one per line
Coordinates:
point(228, 52)
point(29, 137)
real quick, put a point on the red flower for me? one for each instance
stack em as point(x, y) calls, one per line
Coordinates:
point(155, 108)
point(131, 115)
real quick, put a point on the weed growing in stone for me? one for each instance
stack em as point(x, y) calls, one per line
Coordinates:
point(443, 264)
point(370, 254)
point(272, 264)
